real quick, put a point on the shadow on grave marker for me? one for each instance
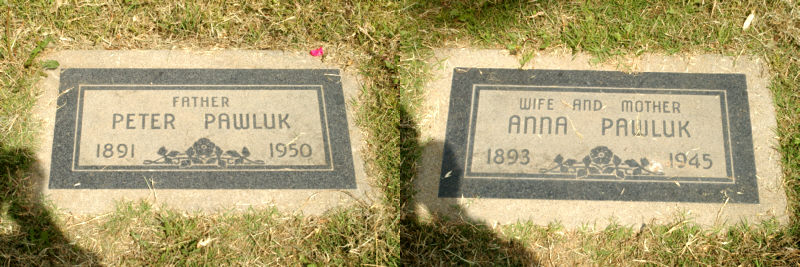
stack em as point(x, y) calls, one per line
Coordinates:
point(453, 239)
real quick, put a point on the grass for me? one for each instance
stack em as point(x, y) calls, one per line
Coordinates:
point(388, 43)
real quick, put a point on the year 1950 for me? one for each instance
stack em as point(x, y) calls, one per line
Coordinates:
point(291, 150)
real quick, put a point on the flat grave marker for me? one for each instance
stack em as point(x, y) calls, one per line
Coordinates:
point(560, 134)
point(193, 128)
point(216, 136)
point(587, 144)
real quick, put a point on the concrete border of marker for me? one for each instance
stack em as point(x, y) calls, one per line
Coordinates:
point(573, 213)
point(432, 127)
point(305, 201)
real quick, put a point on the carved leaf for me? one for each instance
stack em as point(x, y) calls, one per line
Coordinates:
point(197, 161)
point(632, 163)
point(570, 162)
point(238, 161)
point(587, 160)
point(173, 153)
point(617, 160)
point(564, 169)
point(637, 171)
point(645, 162)
point(185, 163)
point(245, 152)
point(222, 163)
point(582, 173)
point(620, 174)
point(190, 152)
point(168, 160)
point(162, 151)
point(558, 159)
point(233, 153)
point(211, 161)
point(609, 170)
point(218, 151)
point(593, 170)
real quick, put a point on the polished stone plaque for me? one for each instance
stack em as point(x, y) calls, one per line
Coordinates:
point(592, 135)
point(202, 129)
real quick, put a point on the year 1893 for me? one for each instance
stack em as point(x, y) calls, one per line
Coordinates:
point(508, 156)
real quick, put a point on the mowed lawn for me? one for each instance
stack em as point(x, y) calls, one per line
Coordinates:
point(389, 43)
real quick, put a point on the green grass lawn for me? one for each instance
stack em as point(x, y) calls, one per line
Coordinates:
point(388, 43)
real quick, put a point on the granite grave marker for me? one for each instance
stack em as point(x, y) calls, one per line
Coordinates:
point(653, 138)
point(199, 131)
point(200, 128)
point(560, 134)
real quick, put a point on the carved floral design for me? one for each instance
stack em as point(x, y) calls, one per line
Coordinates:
point(203, 153)
point(602, 161)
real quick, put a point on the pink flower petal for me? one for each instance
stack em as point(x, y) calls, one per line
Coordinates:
point(316, 52)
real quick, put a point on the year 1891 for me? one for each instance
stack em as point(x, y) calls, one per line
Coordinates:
point(115, 150)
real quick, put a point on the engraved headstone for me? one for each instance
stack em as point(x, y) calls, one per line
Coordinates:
point(210, 129)
point(579, 143)
point(225, 136)
point(558, 134)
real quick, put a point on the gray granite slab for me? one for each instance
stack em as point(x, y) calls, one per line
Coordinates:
point(199, 130)
point(556, 140)
point(598, 135)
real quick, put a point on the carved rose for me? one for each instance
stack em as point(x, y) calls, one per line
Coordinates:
point(601, 155)
point(204, 147)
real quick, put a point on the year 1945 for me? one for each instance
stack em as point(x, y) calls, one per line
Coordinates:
point(688, 160)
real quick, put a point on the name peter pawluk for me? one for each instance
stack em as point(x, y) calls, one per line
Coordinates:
point(238, 121)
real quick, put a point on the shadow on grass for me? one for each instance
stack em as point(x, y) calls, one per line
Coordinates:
point(443, 241)
point(33, 238)
point(439, 241)
point(446, 238)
